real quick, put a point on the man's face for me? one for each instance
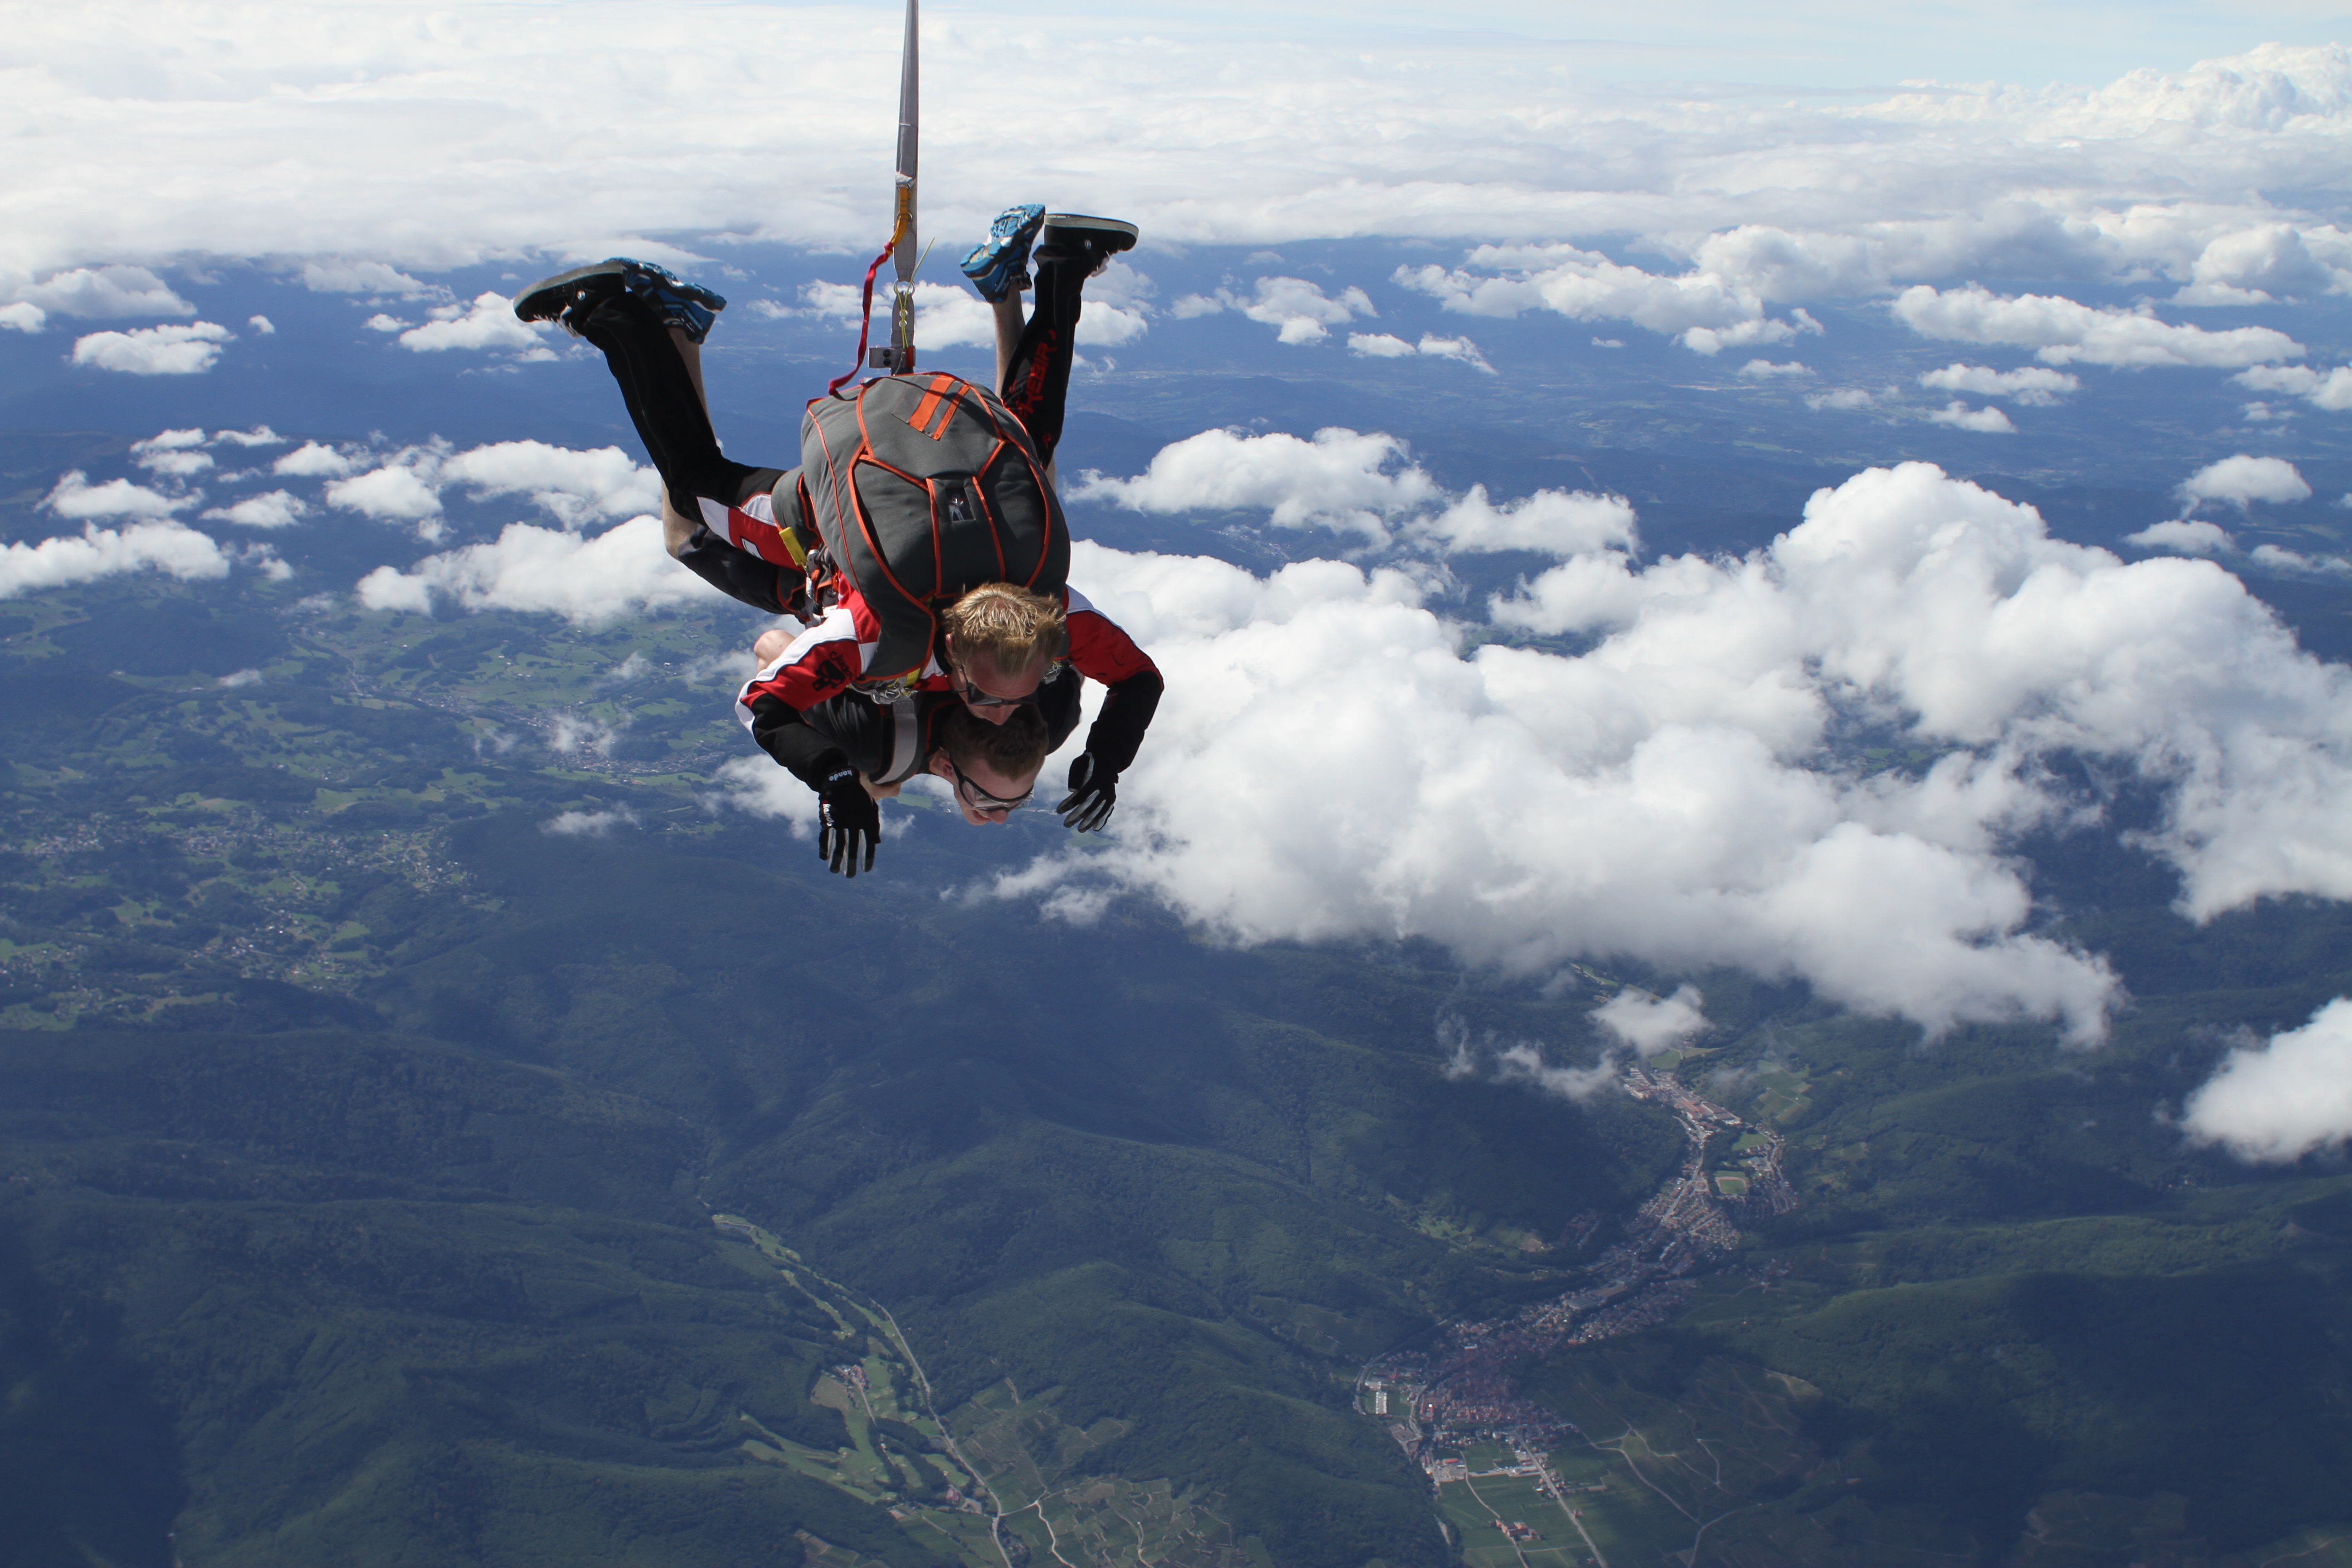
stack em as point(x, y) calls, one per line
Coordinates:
point(985, 797)
point(978, 679)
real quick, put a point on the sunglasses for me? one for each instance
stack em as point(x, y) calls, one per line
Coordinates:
point(979, 799)
point(974, 697)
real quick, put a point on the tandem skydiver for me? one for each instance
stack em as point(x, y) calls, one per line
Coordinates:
point(995, 648)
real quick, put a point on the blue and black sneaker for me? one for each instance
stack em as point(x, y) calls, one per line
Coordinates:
point(687, 306)
point(999, 267)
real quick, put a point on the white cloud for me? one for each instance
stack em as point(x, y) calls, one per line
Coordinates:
point(2294, 563)
point(1706, 310)
point(106, 291)
point(1652, 1023)
point(1688, 813)
point(154, 350)
point(2033, 385)
point(1387, 345)
point(2274, 1103)
point(574, 487)
point(396, 490)
point(1844, 397)
point(75, 496)
point(431, 147)
point(273, 509)
point(238, 677)
point(1380, 345)
point(261, 324)
point(488, 323)
point(23, 318)
point(362, 278)
point(1339, 479)
point(2187, 538)
point(2332, 392)
point(259, 435)
point(589, 824)
point(1555, 523)
point(171, 548)
point(2064, 331)
point(1985, 421)
point(382, 322)
point(1766, 370)
point(2241, 481)
point(1298, 310)
point(313, 460)
point(589, 581)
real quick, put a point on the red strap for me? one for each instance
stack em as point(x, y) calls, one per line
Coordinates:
point(865, 322)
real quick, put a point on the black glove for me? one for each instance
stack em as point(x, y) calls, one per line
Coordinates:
point(846, 815)
point(1093, 790)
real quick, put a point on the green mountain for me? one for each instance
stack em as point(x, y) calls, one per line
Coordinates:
point(390, 1179)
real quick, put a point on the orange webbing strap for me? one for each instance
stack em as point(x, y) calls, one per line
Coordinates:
point(929, 406)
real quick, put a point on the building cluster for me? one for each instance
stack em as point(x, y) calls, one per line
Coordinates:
point(1463, 1387)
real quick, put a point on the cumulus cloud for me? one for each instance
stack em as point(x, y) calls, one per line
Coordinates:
point(588, 581)
point(2241, 481)
point(154, 350)
point(1652, 1023)
point(273, 509)
point(337, 277)
point(259, 435)
point(75, 496)
point(313, 459)
point(1387, 345)
point(2332, 392)
point(2184, 536)
point(1707, 312)
point(1767, 370)
point(104, 291)
point(2033, 385)
point(1339, 479)
point(401, 490)
point(1985, 421)
point(486, 324)
point(261, 324)
point(1554, 523)
point(1298, 310)
point(2274, 1103)
point(589, 824)
point(171, 548)
point(2064, 332)
point(172, 454)
point(1844, 397)
point(1683, 766)
point(573, 486)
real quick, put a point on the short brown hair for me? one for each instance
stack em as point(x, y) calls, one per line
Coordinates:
point(1016, 748)
point(1018, 630)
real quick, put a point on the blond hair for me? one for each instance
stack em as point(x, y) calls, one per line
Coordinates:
point(1016, 748)
point(1016, 629)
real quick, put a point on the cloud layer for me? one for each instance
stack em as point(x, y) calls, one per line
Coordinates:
point(1330, 762)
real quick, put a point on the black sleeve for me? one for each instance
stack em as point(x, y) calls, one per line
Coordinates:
point(1058, 702)
point(798, 746)
point(862, 729)
point(1127, 711)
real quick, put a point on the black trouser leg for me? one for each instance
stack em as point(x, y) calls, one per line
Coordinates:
point(670, 421)
point(1037, 383)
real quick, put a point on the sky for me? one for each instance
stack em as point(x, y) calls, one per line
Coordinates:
point(2066, 205)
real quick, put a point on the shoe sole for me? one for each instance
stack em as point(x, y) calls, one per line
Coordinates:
point(550, 297)
point(1079, 225)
